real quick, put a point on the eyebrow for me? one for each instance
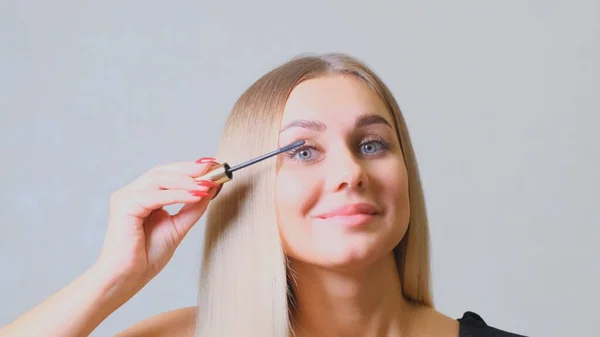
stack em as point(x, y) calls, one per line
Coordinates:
point(362, 121)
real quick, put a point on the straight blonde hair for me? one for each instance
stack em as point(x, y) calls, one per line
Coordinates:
point(244, 279)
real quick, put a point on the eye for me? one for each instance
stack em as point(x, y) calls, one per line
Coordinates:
point(305, 153)
point(370, 147)
point(374, 144)
point(302, 154)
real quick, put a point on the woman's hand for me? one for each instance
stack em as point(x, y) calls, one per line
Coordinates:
point(140, 240)
point(141, 236)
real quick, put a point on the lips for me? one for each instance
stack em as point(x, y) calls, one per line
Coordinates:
point(349, 210)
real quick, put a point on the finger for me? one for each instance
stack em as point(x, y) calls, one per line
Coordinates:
point(140, 205)
point(190, 169)
point(173, 180)
point(189, 214)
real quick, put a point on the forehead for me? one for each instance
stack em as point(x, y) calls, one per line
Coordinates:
point(333, 100)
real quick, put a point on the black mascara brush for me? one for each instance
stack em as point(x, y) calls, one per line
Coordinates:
point(223, 173)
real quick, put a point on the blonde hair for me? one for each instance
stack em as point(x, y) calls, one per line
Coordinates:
point(243, 285)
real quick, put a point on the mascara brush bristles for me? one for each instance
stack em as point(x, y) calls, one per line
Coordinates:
point(265, 156)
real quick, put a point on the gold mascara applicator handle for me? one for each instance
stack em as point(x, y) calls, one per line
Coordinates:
point(223, 173)
point(220, 174)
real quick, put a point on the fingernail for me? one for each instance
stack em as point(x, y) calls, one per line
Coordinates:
point(205, 159)
point(218, 190)
point(207, 183)
point(212, 162)
point(199, 193)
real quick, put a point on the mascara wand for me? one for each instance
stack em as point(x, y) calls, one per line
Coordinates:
point(265, 156)
point(223, 173)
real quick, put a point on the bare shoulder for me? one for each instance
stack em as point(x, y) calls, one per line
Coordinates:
point(433, 323)
point(448, 326)
point(174, 323)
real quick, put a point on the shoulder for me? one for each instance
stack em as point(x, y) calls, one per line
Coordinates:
point(426, 321)
point(174, 323)
point(472, 325)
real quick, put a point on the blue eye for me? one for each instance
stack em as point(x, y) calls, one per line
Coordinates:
point(368, 147)
point(371, 147)
point(304, 153)
point(374, 145)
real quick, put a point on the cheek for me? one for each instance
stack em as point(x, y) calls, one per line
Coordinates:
point(397, 201)
point(396, 187)
point(294, 194)
point(295, 198)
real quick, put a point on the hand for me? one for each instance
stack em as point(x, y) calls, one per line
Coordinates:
point(141, 236)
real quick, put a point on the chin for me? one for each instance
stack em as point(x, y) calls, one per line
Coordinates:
point(354, 254)
point(343, 247)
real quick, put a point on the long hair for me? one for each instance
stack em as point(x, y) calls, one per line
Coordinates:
point(243, 284)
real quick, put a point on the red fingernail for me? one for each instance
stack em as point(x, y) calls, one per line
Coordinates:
point(205, 159)
point(207, 183)
point(199, 193)
point(218, 190)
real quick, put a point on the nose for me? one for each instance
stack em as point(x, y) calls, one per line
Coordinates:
point(345, 171)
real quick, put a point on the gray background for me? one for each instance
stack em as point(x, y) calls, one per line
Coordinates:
point(501, 99)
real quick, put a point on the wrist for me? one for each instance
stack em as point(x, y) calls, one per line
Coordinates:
point(113, 289)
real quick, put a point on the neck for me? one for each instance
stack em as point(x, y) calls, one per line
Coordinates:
point(366, 302)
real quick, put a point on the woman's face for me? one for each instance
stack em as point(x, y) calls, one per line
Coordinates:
point(342, 198)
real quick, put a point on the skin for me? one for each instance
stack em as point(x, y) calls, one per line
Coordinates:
point(346, 281)
point(344, 286)
point(141, 238)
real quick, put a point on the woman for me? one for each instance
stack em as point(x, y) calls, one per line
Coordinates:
point(329, 239)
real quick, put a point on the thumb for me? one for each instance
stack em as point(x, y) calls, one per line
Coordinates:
point(189, 214)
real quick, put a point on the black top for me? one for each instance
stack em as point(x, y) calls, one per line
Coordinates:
point(472, 325)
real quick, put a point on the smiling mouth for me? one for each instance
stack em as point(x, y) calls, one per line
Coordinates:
point(349, 216)
point(347, 221)
point(349, 210)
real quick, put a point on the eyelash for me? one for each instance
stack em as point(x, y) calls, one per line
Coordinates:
point(309, 145)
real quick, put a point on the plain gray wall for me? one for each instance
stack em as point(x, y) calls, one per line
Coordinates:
point(501, 99)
